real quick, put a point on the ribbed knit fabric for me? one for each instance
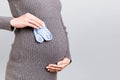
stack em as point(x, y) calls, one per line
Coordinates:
point(28, 58)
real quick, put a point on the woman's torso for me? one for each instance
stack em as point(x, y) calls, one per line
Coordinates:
point(50, 12)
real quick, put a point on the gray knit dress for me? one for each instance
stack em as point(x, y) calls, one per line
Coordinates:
point(28, 58)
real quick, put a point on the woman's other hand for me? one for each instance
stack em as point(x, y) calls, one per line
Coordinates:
point(59, 66)
point(26, 20)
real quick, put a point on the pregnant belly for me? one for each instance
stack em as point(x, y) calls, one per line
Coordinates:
point(25, 48)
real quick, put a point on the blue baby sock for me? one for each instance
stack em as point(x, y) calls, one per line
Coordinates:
point(42, 34)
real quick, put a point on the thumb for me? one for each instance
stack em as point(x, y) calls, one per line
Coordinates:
point(58, 63)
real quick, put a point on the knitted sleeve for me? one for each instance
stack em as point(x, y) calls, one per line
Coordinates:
point(5, 23)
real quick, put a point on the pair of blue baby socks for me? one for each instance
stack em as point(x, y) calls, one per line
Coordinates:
point(42, 34)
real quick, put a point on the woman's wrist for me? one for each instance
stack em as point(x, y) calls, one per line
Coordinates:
point(11, 22)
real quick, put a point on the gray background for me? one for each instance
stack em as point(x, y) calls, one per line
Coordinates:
point(94, 35)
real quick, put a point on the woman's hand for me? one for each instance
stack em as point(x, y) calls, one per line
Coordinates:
point(26, 20)
point(59, 66)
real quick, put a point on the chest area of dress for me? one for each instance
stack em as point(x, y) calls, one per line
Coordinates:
point(38, 4)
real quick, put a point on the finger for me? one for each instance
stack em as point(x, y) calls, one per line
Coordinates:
point(32, 17)
point(63, 63)
point(54, 68)
point(60, 63)
point(61, 66)
point(34, 23)
point(51, 70)
point(53, 65)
